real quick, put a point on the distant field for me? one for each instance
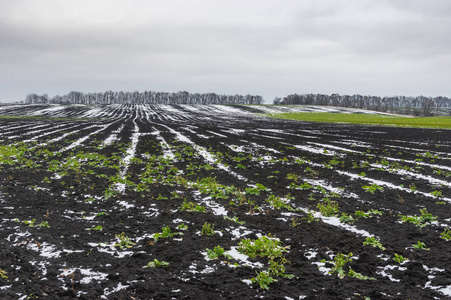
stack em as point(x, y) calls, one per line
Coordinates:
point(376, 119)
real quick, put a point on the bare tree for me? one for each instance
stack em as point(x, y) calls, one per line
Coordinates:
point(427, 106)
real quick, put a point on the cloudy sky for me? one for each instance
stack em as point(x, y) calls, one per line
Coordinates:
point(265, 47)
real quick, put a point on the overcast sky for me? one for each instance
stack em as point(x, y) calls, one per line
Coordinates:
point(265, 47)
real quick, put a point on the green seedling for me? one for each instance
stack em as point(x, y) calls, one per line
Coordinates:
point(371, 241)
point(372, 188)
point(345, 218)
point(265, 246)
point(90, 200)
point(165, 232)
point(97, 228)
point(328, 208)
point(293, 177)
point(374, 212)
point(437, 194)
point(124, 241)
point(109, 193)
point(399, 258)
point(43, 224)
point(340, 260)
point(234, 219)
point(302, 186)
point(277, 269)
point(420, 245)
point(278, 203)
point(30, 223)
point(264, 279)
point(46, 180)
point(191, 207)
point(217, 252)
point(160, 197)
point(310, 218)
point(182, 226)
point(207, 229)
point(420, 220)
point(175, 195)
point(354, 274)
point(3, 274)
point(256, 190)
point(361, 214)
point(446, 234)
point(156, 263)
point(295, 222)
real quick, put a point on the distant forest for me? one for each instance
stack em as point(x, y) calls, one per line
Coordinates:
point(147, 97)
point(408, 105)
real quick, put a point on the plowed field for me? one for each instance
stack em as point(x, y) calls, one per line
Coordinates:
point(138, 202)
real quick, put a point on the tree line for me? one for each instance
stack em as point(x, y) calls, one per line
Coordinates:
point(146, 97)
point(419, 105)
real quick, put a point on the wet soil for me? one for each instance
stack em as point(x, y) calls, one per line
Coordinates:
point(70, 260)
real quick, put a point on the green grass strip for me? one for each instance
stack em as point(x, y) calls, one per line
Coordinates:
point(368, 119)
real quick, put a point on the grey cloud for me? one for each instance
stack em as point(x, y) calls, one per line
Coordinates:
point(375, 29)
point(277, 47)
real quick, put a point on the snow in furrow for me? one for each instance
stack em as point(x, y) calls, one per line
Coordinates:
point(330, 188)
point(234, 131)
point(12, 129)
point(282, 132)
point(113, 137)
point(401, 172)
point(208, 157)
point(316, 150)
point(418, 163)
point(51, 132)
point(81, 140)
point(167, 153)
point(389, 185)
point(130, 154)
point(417, 150)
point(217, 134)
point(93, 112)
point(333, 147)
point(333, 221)
point(52, 110)
point(355, 143)
point(268, 136)
point(47, 127)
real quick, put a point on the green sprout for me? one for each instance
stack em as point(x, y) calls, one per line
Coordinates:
point(446, 234)
point(420, 245)
point(191, 207)
point(124, 241)
point(372, 188)
point(371, 241)
point(399, 258)
point(156, 263)
point(97, 228)
point(207, 229)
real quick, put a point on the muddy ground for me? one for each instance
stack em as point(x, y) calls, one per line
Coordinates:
point(69, 259)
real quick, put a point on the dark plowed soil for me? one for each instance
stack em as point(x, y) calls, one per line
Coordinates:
point(80, 199)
